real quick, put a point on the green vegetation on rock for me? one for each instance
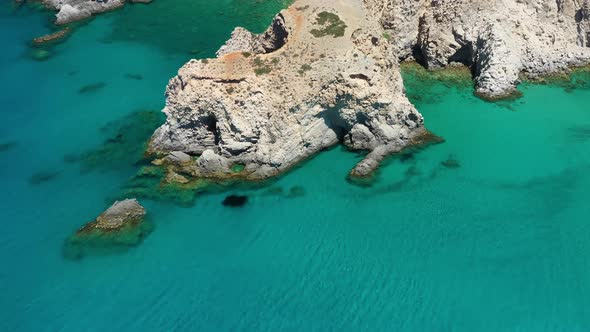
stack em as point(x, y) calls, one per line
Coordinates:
point(331, 24)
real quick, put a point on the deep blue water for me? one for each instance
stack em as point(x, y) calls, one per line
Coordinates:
point(500, 243)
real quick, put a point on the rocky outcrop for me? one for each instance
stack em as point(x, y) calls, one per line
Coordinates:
point(322, 74)
point(52, 37)
point(499, 39)
point(326, 72)
point(126, 213)
point(243, 40)
point(118, 228)
point(75, 10)
point(583, 19)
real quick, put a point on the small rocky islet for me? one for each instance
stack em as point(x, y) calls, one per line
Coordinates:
point(119, 228)
point(327, 73)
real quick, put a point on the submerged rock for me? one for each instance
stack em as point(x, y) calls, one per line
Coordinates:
point(5, 146)
point(41, 54)
point(451, 163)
point(119, 227)
point(124, 144)
point(42, 177)
point(296, 191)
point(52, 37)
point(235, 201)
point(90, 88)
point(137, 77)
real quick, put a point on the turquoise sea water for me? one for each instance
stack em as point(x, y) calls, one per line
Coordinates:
point(499, 243)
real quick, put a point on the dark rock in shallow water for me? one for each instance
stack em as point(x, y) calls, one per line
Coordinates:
point(137, 77)
point(408, 156)
point(580, 133)
point(71, 158)
point(413, 171)
point(7, 146)
point(119, 227)
point(124, 144)
point(55, 37)
point(90, 88)
point(296, 191)
point(273, 191)
point(42, 177)
point(451, 163)
point(235, 201)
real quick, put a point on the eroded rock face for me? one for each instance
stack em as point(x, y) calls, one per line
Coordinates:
point(499, 39)
point(326, 72)
point(74, 10)
point(322, 74)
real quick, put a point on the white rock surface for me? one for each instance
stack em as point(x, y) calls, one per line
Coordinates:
point(74, 10)
point(120, 214)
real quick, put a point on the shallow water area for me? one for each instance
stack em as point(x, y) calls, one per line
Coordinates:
point(487, 231)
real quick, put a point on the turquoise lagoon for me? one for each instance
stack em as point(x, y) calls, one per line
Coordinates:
point(496, 240)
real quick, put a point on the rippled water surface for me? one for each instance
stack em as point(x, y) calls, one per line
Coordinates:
point(486, 232)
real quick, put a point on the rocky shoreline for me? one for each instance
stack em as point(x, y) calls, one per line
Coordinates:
point(327, 73)
point(69, 11)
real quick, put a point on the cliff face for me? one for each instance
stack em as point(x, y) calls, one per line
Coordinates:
point(500, 39)
point(323, 73)
point(327, 72)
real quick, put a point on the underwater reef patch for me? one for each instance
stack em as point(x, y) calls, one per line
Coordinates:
point(6, 146)
point(137, 77)
point(580, 133)
point(451, 163)
point(92, 88)
point(124, 145)
point(42, 177)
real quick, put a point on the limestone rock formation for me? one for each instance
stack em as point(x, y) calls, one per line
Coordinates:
point(499, 39)
point(320, 75)
point(118, 228)
point(326, 72)
point(120, 214)
point(74, 10)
